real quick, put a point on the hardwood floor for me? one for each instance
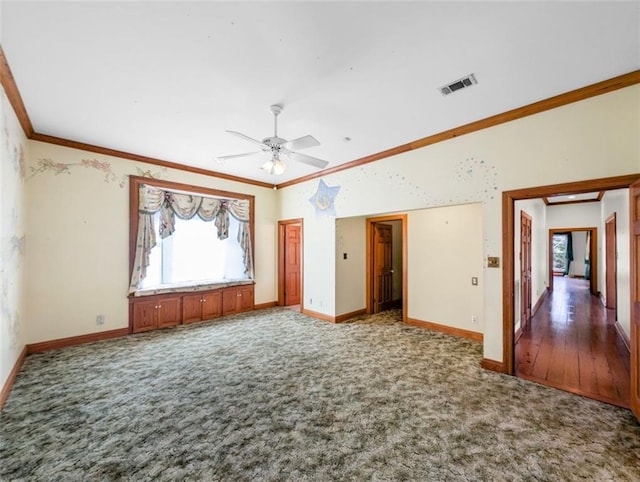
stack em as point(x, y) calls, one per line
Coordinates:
point(571, 345)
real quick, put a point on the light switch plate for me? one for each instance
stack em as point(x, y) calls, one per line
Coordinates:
point(493, 262)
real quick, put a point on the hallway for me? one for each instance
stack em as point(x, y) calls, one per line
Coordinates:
point(570, 345)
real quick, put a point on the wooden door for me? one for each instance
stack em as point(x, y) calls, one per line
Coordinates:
point(383, 267)
point(634, 229)
point(290, 261)
point(611, 289)
point(525, 269)
point(292, 255)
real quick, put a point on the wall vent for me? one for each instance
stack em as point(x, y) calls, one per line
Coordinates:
point(467, 81)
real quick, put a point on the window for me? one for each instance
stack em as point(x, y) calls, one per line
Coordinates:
point(193, 254)
point(560, 252)
point(187, 236)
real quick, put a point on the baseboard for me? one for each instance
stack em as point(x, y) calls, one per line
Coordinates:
point(8, 384)
point(264, 306)
point(538, 304)
point(333, 319)
point(449, 330)
point(623, 336)
point(318, 316)
point(75, 340)
point(347, 316)
point(493, 365)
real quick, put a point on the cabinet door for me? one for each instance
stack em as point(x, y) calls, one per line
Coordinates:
point(144, 316)
point(169, 312)
point(229, 301)
point(211, 305)
point(192, 308)
point(245, 298)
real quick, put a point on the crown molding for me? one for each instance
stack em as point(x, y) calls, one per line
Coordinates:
point(577, 95)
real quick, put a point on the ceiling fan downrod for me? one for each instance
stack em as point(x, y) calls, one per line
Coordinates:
point(275, 109)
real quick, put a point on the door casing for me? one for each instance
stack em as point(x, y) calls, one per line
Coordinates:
point(508, 253)
point(370, 260)
point(611, 289)
point(282, 225)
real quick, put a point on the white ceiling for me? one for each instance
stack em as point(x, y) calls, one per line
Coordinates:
point(166, 79)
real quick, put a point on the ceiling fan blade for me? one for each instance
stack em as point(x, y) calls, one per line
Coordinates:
point(233, 156)
point(247, 138)
point(301, 143)
point(312, 161)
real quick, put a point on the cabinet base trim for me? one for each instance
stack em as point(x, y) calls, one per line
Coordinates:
point(264, 306)
point(75, 340)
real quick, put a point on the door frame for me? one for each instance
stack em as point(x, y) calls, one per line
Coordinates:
point(508, 252)
point(593, 256)
point(370, 260)
point(281, 260)
point(611, 219)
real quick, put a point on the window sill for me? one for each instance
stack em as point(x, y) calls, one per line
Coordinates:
point(182, 288)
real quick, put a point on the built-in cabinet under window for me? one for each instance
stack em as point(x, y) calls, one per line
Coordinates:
point(171, 309)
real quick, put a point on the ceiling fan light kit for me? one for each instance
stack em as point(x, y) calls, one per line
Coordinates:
point(278, 147)
point(274, 166)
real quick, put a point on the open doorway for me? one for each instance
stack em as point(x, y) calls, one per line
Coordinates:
point(570, 289)
point(573, 252)
point(386, 263)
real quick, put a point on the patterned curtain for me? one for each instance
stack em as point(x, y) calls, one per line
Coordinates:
point(151, 199)
point(185, 206)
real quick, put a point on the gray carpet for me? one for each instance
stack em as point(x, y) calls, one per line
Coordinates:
point(275, 395)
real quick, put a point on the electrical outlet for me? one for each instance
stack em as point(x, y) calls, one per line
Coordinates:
point(100, 320)
point(310, 301)
point(474, 319)
point(474, 280)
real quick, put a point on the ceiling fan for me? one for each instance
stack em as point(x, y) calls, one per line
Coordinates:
point(278, 148)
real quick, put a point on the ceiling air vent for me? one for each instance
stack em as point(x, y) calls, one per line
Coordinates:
point(467, 81)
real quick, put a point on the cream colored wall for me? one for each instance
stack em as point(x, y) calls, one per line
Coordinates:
point(78, 231)
point(535, 208)
point(13, 153)
point(618, 202)
point(445, 252)
point(566, 144)
point(583, 215)
point(350, 272)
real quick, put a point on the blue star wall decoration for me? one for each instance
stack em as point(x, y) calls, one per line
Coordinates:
point(323, 199)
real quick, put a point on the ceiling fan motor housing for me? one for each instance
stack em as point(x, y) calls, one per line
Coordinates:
point(274, 141)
